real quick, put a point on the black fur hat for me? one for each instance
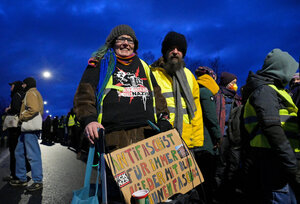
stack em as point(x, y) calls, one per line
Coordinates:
point(121, 30)
point(174, 39)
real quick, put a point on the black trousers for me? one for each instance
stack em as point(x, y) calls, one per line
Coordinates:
point(207, 164)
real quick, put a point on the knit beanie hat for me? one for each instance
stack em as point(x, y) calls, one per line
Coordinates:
point(121, 30)
point(296, 76)
point(226, 78)
point(174, 39)
point(205, 70)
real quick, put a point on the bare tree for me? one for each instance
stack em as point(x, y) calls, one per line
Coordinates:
point(193, 64)
point(216, 65)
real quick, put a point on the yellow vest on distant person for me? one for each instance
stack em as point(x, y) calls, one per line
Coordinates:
point(288, 118)
point(71, 121)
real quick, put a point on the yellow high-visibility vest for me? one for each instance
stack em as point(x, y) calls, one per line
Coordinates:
point(71, 121)
point(61, 125)
point(165, 82)
point(288, 118)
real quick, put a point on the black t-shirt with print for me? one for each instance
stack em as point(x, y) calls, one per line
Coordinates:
point(134, 105)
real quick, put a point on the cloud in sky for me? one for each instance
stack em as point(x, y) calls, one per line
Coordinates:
point(61, 35)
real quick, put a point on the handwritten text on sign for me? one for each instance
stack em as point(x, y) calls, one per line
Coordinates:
point(162, 164)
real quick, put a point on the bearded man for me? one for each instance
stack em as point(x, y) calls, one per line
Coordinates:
point(180, 88)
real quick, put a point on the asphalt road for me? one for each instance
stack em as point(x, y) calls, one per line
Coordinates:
point(62, 171)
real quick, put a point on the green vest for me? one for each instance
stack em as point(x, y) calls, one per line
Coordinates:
point(110, 86)
point(288, 118)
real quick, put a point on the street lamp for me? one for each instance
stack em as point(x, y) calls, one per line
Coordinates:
point(46, 74)
point(47, 111)
point(45, 102)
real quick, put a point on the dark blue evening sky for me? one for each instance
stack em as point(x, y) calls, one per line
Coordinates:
point(60, 36)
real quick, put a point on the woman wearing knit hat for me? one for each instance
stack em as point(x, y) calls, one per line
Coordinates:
point(118, 93)
point(226, 99)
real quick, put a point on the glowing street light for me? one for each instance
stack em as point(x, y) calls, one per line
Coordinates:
point(47, 111)
point(45, 102)
point(47, 74)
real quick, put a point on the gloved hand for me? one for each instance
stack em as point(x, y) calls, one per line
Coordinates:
point(164, 125)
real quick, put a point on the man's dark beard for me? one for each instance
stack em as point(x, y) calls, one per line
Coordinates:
point(171, 67)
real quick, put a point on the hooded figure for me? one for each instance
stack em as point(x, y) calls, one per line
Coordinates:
point(270, 117)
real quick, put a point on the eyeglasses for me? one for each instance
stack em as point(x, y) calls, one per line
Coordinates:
point(123, 39)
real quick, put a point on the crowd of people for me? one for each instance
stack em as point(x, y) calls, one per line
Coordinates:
point(65, 130)
point(123, 95)
point(119, 92)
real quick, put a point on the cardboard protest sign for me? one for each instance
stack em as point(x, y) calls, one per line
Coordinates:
point(162, 164)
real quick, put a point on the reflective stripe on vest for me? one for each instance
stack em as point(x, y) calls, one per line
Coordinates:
point(61, 124)
point(110, 86)
point(172, 109)
point(71, 121)
point(165, 83)
point(288, 119)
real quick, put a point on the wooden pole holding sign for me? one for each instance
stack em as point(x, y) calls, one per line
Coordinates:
point(162, 164)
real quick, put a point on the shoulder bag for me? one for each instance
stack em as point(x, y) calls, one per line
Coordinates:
point(33, 124)
point(10, 121)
